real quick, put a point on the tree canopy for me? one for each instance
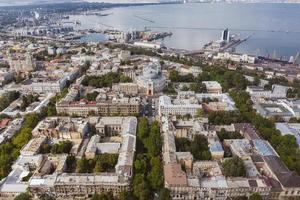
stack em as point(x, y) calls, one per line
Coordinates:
point(234, 167)
point(106, 80)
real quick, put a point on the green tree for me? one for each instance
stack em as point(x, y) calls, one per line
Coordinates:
point(143, 128)
point(105, 162)
point(141, 188)
point(165, 194)
point(155, 176)
point(103, 196)
point(234, 167)
point(92, 96)
point(125, 195)
point(46, 197)
point(153, 143)
point(174, 76)
point(23, 196)
point(84, 165)
point(125, 79)
point(141, 164)
point(7, 98)
point(255, 196)
point(71, 164)
point(199, 148)
point(62, 147)
point(225, 135)
point(200, 113)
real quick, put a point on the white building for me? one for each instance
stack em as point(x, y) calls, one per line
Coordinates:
point(148, 45)
point(45, 85)
point(179, 107)
point(289, 129)
point(151, 80)
point(236, 57)
point(213, 87)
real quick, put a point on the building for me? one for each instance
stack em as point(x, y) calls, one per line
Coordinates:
point(240, 58)
point(213, 87)
point(151, 80)
point(204, 179)
point(75, 185)
point(126, 88)
point(216, 150)
point(226, 35)
point(21, 63)
point(177, 107)
point(8, 131)
point(123, 107)
point(62, 128)
point(43, 30)
point(110, 127)
point(41, 85)
point(289, 129)
point(6, 76)
point(279, 108)
point(33, 147)
point(148, 45)
point(15, 183)
point(277, 91)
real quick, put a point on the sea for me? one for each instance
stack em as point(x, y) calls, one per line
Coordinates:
point(273, 29)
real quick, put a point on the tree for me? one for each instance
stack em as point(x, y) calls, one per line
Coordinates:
point(141, 189)
point(27, 100)
point(234, 167)
point(199, 148)
point(174, 76)
point(70, 164)
point(285, 145)
point(125, 195)
point(224, 117)
point(256, 81)
point(84, 165)
point(105, 162)
point(103, 196)
point(92, 96)
point(225, 135)
point(62, 147)
point(182, 144)
point(198, 87)
point(125, 79)
point(239, 198)
point(46, 148)
point(143, 128)
point(46, 197)
point(169, 89)
point(155, 176)
point(141, 164)
point(8, 98)
point(164, 194)
point(22, 196)
point(200, 113)
point(106, 80)
point(255, 196)
point(153, 143)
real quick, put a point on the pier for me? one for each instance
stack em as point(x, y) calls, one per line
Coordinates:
point(220, 29)
point(145, 19)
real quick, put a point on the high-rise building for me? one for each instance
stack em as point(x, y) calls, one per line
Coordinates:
point(226, 35)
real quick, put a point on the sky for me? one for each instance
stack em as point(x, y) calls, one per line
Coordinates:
point(26, 2)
